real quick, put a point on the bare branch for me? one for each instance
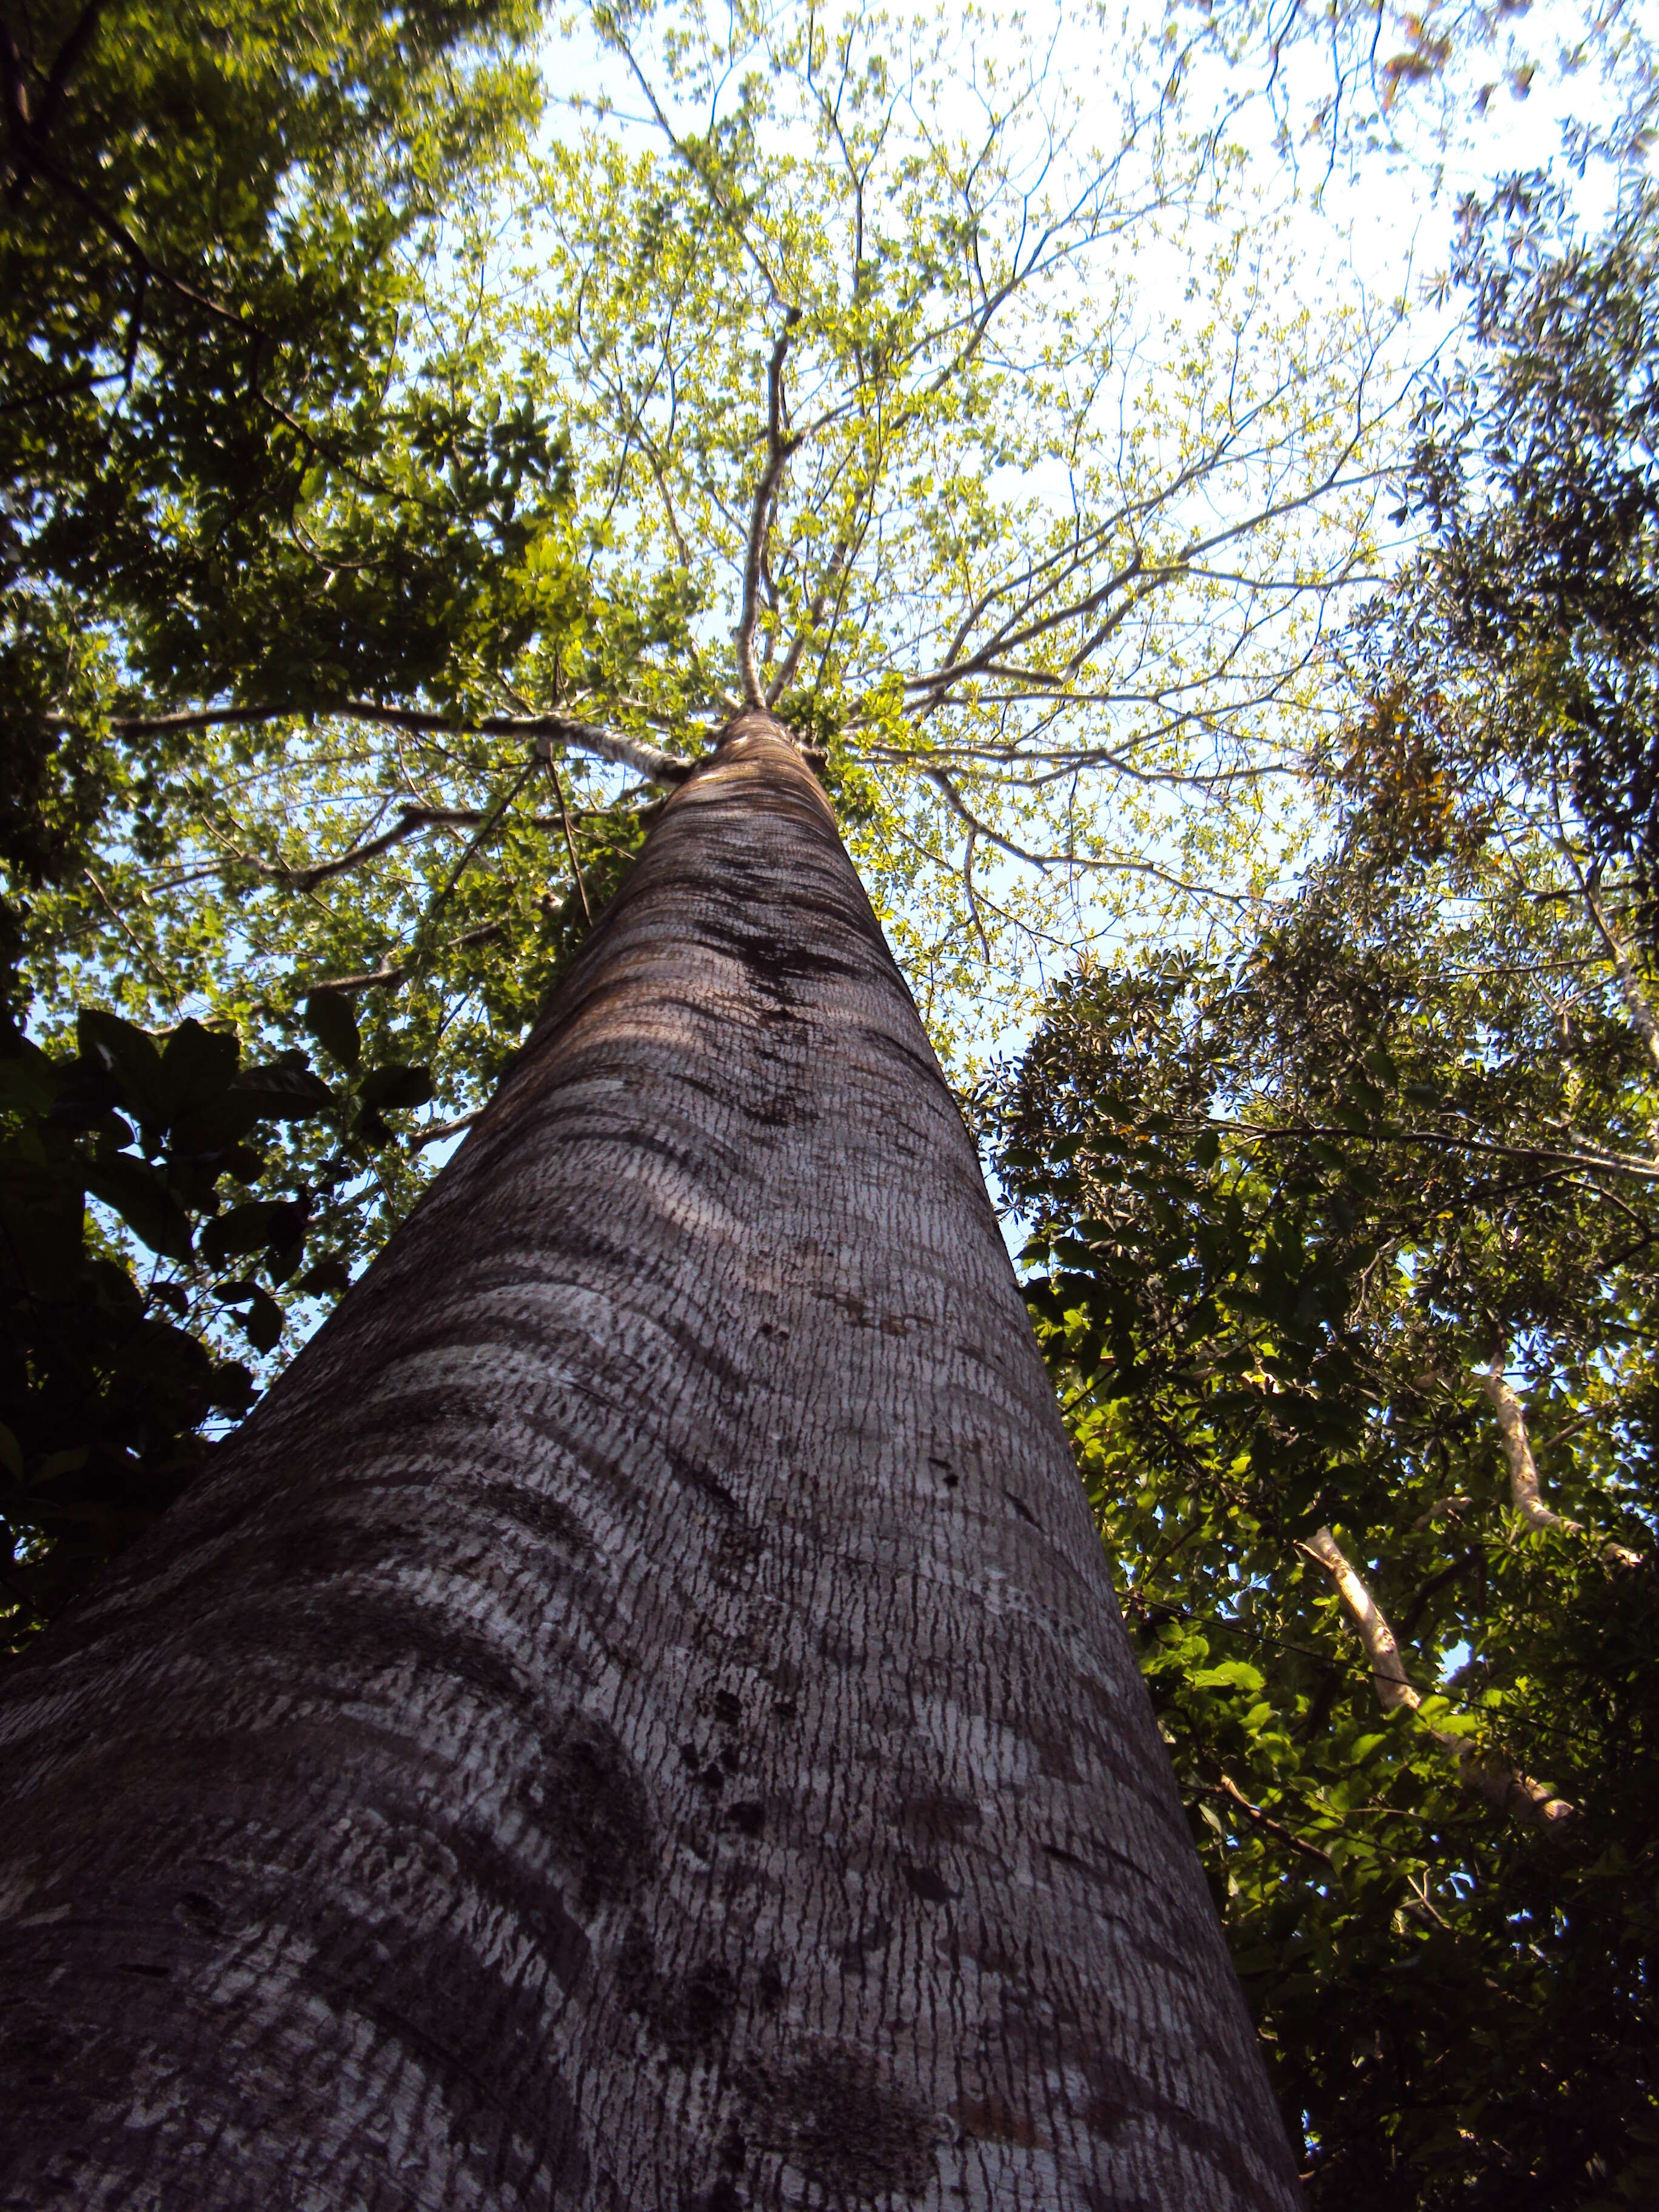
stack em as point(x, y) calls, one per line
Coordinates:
point(1625, 1163)
point(613, 745)
point(1524, 1489)
point(778, 450)
point(1533, 1803)
point(435, 1132)
point(569, 840)
point(395, 971)
point(785, 675)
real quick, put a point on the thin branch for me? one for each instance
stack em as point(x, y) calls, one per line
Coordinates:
point(1433, 1588)
point(569, 840)
point(395, 971)
point(785, 675)
point(1453, 1507)
point(115, 915)
point(489, 823)
point(613, 745)
point(1608, 1162)
point(1228, 1789)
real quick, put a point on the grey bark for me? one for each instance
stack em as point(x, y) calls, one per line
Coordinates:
point(637, 1719)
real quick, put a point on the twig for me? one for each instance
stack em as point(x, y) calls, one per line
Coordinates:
point(1228, 1789)
point(569, 835)
point(1604, 1162)
point(144, 961)
point(395, 971)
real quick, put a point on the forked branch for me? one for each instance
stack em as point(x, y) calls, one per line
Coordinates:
point(779, 447)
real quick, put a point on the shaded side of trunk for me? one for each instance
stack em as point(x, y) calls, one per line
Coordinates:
point(638, 1720)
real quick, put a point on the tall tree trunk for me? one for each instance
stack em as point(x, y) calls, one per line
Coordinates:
point(637, 1720)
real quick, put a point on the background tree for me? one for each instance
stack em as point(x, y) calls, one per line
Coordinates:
point(1528, 653)
point(1349, 1244)
point(214, 226)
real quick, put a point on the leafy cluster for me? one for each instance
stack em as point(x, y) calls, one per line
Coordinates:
point(1287, 1211)
point(1518, 655)
point(116, 1317)
point(232, 466)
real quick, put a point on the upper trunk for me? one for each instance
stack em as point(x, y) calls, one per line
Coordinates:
point(638, 1719)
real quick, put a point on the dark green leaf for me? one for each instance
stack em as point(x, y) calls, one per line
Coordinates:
point(331, 1022)
point(139, 1193)
point(263, 1322)
point(265, 1223)
point(198, 1065)
point(28, 1081)
point(129, 1054)
point(395, 1085)
point(283, 1093)
point(231, 1388)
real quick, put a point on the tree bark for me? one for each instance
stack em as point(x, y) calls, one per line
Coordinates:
point(637, 1719)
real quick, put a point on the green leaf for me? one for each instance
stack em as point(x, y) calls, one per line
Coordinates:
point(57, 1464)
point(198, 1065)
point(284, 1093)
point(1230, 1675)
point(214, 1127)
point(230, 1388)
point(331, 1022)
point(265, 1223)
point(394, 1084)
point(129, 1054)
point(283, 1261)
point(42, 1224)
point(263, 1322)
point(28, 1081)
point(139, 1193)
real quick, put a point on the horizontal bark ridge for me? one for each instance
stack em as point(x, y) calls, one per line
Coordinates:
point(637, 1719)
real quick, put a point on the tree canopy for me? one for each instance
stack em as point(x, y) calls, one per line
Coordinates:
point(409, 461)
point(378, 525)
